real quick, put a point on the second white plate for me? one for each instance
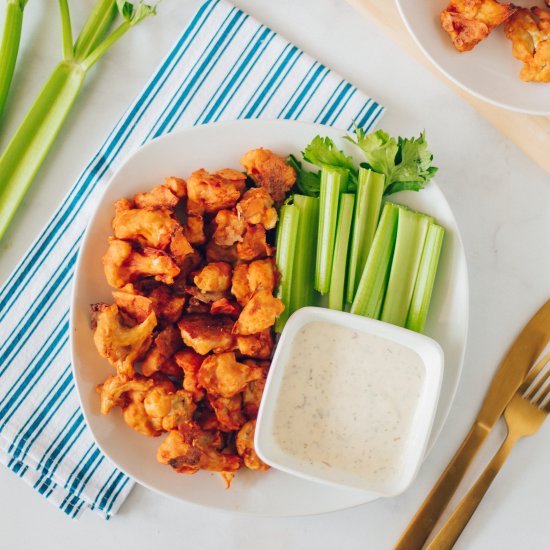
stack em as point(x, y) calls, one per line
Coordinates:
point(489, 71)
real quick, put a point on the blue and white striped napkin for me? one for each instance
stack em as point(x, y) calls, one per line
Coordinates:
point(225, 65)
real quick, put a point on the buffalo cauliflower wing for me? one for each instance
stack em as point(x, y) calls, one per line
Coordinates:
point(194, 230)
point(256, 206)
point(257, 346)
point(259, 313)
point(162, 196)
point(269, 171)
point(169, 408)
point(121, 345)
point(190, 363)
point(228, 411)
point(205, 333)
point(468, 22)
point(221, 375)
point(245, 447)
point(254, 244)
point(214, 277)
point(229, 228)
point(529, 31)
point(191, 449)
point(166, 344)
point(123, 264)
point(212, 192)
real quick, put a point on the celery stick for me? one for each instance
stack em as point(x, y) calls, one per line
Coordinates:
point(411, 234)
point(303, 271)
point(287, 232)
point(9, 48)
point(422, 294)
point(333, 183)
point(339, 263)
point(370, 188)
point(32, 141)
point(372, 285)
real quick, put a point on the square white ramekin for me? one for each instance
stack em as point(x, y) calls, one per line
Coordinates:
point(432, 357)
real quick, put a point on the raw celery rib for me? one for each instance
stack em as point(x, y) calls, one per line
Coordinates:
point(333, 183)
point(339, 263)
point(303, 271)
point(411, 234)
point(422, 294)
point(372, 285)
point(287, 232)
point(9, 47)
point(370, 188)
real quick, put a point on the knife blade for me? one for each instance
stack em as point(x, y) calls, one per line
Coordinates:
point(523, 353)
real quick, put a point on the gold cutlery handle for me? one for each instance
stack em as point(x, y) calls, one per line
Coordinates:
point(424, 521)
point(449, 533)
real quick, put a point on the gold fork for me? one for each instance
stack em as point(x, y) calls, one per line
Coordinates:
point(524, 415)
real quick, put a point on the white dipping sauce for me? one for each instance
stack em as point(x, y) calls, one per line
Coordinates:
point(347, 401)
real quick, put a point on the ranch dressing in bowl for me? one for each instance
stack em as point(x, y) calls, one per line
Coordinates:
point(347, 401)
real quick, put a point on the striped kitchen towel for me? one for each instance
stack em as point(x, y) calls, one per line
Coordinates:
point(225, 65)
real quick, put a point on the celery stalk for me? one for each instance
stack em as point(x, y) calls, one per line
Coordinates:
point(370, 188)
point(31, 143)
point(333, 183)
point(422, 294)
point(372, 285)
point(411, 234)
point(339, 263)
point(9, 48)
point(287, 232)
point(303, 271)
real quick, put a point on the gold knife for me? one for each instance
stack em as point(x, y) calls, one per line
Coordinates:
point(520, 357)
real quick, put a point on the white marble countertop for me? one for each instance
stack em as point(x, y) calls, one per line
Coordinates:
point(502, 204)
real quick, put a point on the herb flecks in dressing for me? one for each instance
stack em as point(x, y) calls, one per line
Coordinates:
point(347, 401)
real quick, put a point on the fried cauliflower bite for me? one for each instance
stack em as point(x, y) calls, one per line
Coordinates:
point(190, 449)
point(122, 264)
point(205, 333)
point(223, 306)
point(468, 22)
point(256, 206)
point(214, 277)
point(253, 245)
point(228, 412)
point(259, 313)
point(170, 408)
point(252, 397)
point(180, 247)
point(245, 447)
point(119, 389)
point(529, 31)
point(190, 363)
point(166, 344)
point(167, 305)
point(152, 228)
point(239, 285)
point(257, 346)
point(122, 346)
point(262, 274)
point(230, 227)
point(269, 171)
point(178, 186)
point(221, 375)
point(159, 197)
point(137, 307)
point(129, 394)
point(212, 192)
point(194, 230)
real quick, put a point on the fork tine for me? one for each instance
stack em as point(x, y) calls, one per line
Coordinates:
point(533, 373)
point(536, 389)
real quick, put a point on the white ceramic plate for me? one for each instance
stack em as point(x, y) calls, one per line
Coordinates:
point(213, 147)
point(489, 71)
